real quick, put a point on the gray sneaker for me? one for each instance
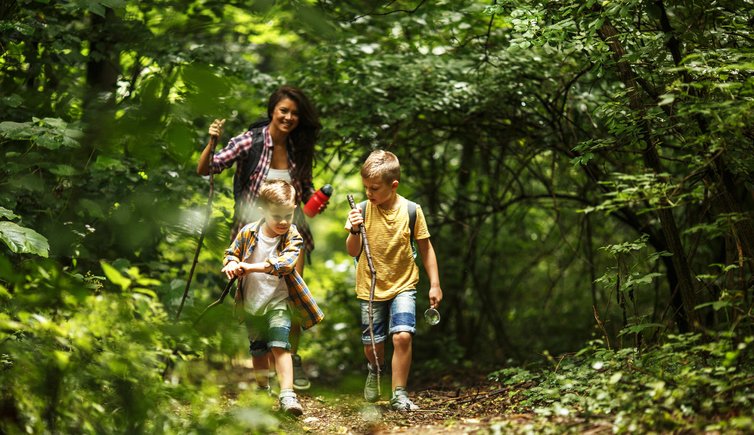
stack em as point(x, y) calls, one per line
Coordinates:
point(371, 390)
point(401, 402)
point(289, 403)
point(300, 380)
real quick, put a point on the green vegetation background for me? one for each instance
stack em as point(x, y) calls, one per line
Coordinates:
point(586, 169)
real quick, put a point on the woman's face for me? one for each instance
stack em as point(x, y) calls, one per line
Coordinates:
point(285, 116)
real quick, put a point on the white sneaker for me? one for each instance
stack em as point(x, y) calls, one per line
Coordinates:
point(289, 403)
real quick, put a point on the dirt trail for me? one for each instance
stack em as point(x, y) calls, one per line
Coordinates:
point(445, 407)
point(457, 403)
point(352, 415)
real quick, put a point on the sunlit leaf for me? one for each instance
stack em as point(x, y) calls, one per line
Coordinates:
point(22, 240)
point(114, 276)
point(7, 214)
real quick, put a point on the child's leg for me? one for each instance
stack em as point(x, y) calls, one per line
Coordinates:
point(279, 322)
point(402, 328)
point(402, 352)
point(284, 367)
point(380, 323)
point(256, 328)
point(261, 370)
point(369, 353)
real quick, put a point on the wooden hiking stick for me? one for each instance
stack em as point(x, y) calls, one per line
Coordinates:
point(213, 144)
point(218, 301)
point(373, 273)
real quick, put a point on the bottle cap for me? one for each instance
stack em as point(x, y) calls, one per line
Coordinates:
point(327, 189)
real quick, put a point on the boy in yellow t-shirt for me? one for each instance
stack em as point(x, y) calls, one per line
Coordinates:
point(387, 226)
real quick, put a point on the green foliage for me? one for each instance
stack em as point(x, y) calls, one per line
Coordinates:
point(687, 384)
point(84, 354)
point(20, 239)
point(532, 133)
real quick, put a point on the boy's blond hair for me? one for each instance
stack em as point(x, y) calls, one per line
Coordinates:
point(277, 192)
point(383, 164)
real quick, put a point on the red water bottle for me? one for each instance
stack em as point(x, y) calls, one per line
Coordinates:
point(318, 200)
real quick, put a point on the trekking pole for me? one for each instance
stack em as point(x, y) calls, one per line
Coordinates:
point(373, 273)
point(218, 301)
point(213, 144)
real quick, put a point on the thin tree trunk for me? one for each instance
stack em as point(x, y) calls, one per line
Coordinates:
point(609, 34)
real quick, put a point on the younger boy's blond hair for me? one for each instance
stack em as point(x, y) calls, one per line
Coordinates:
point(383, 164)
point(277, 192)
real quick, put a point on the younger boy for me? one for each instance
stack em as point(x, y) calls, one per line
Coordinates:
point(387, 226)
point(264, 256)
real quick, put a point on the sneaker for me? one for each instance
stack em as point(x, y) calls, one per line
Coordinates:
point(289, 403)
point(371, 390)
point(401, 402)
point(300, 380)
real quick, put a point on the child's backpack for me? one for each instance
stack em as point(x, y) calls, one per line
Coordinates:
point(411, 206)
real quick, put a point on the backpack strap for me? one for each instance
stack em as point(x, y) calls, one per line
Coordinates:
point(245, 167)
point(411, 219)
point(363, 207)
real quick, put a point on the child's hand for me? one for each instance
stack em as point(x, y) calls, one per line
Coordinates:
point(216, 129)
point(229, 269)
point(435, 296)
point(355, 218)
point(234, 269)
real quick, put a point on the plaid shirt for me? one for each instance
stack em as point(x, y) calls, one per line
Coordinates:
point(283, 264)
point(237, 150)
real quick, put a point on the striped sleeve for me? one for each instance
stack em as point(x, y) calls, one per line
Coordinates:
point(237, 148)
point(284, 262)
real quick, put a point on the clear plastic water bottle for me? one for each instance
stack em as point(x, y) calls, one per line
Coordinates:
point(432, 316)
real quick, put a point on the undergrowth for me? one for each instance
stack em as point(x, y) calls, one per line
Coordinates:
point(689, 383)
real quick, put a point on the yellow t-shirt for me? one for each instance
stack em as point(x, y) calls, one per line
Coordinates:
point(388, 236)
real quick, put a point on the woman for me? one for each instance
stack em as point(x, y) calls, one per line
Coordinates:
point(280, 147)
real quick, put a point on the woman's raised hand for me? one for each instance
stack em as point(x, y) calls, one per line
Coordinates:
point(216, 129)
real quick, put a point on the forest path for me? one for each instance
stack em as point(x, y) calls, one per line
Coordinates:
point(440, 411)
point(458, 403)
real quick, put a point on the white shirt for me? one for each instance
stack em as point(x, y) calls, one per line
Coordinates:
point(282, 174)
point(263, 292)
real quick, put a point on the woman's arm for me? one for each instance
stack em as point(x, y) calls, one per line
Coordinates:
point(215, 131)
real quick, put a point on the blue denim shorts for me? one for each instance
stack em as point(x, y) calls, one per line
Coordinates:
point(395, 315)
point(268, 331)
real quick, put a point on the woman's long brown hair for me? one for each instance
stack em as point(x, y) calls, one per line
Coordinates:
point(308, 127)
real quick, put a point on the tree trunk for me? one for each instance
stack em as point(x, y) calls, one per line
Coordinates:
point(609, 35)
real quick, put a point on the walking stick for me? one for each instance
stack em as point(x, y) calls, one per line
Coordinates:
point(373, 273)
point(218, 301)
point(213, 144)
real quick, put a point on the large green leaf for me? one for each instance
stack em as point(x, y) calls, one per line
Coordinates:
point(8, 214)
point(22, 240)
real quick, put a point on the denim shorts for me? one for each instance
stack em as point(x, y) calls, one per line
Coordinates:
point(395, 315)
point(268, 331)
